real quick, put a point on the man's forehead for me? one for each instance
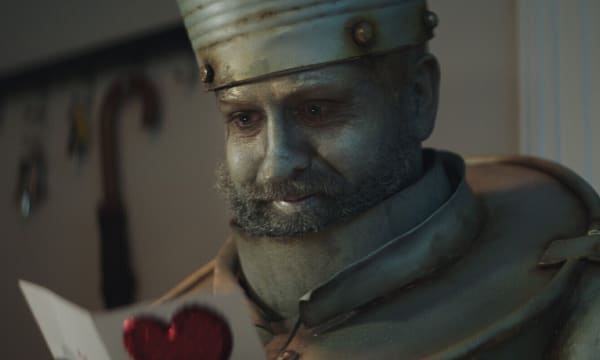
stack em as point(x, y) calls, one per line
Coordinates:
point(321, 81)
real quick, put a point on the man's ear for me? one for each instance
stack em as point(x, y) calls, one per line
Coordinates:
point(425, 95)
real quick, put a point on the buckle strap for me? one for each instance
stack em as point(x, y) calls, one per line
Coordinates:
point(585, 247)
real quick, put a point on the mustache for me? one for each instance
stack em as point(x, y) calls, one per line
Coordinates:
point(308, 183)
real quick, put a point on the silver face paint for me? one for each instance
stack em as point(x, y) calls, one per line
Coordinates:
point(335, 125)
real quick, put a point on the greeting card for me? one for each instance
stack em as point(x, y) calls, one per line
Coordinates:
point(197, 327)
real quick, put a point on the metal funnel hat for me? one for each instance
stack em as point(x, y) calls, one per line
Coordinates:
point(240, 41)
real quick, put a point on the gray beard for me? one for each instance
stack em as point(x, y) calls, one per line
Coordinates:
point(252, 206)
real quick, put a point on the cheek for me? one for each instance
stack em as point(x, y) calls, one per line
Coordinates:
point(355, 150)
point(350, 151)
point(243, 160)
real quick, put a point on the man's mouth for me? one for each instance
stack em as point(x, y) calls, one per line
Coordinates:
point(293, 199)
point(293, 203)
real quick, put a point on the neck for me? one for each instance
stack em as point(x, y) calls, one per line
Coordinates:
point(279, 271)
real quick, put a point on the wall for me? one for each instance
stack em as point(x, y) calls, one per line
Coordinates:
point(176, 219)
point(35, 32)
point(560, 83)
point(476, 43)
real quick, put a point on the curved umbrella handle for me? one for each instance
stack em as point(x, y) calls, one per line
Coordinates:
point(117, 279)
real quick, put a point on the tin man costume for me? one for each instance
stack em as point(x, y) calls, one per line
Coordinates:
point(492, 258)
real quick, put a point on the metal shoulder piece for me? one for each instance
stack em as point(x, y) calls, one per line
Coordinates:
point(579, 337)
point(561, 250)
point(239, 41)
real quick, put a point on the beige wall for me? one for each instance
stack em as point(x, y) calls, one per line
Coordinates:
point(176, 220)
point(34, 32)
point(476, 44)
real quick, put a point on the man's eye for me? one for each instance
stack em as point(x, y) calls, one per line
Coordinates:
point(314, 110)
point(311, 113)
point(244, 120)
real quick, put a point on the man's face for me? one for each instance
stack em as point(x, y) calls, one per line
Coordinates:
point(310, 149)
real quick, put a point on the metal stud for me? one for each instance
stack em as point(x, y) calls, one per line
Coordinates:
point(363, 33)
point(431, 20)
point(207, 73)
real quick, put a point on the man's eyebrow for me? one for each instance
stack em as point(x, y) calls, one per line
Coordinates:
point(319, 90)
point(231, 95)
point(232, 101)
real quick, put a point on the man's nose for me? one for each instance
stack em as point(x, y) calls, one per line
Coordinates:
point(286, 153)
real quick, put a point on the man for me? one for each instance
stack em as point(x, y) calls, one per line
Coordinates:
point(351, 241)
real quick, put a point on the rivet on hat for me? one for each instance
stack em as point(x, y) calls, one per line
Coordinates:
point(363, 33)
point(207, 73)
point(431, 20)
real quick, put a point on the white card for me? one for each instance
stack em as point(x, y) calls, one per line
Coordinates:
point(74, 333)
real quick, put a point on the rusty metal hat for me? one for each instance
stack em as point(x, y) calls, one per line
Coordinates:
point(240, 41)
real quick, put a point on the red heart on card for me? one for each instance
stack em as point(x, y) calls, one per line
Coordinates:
point(195, 333)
